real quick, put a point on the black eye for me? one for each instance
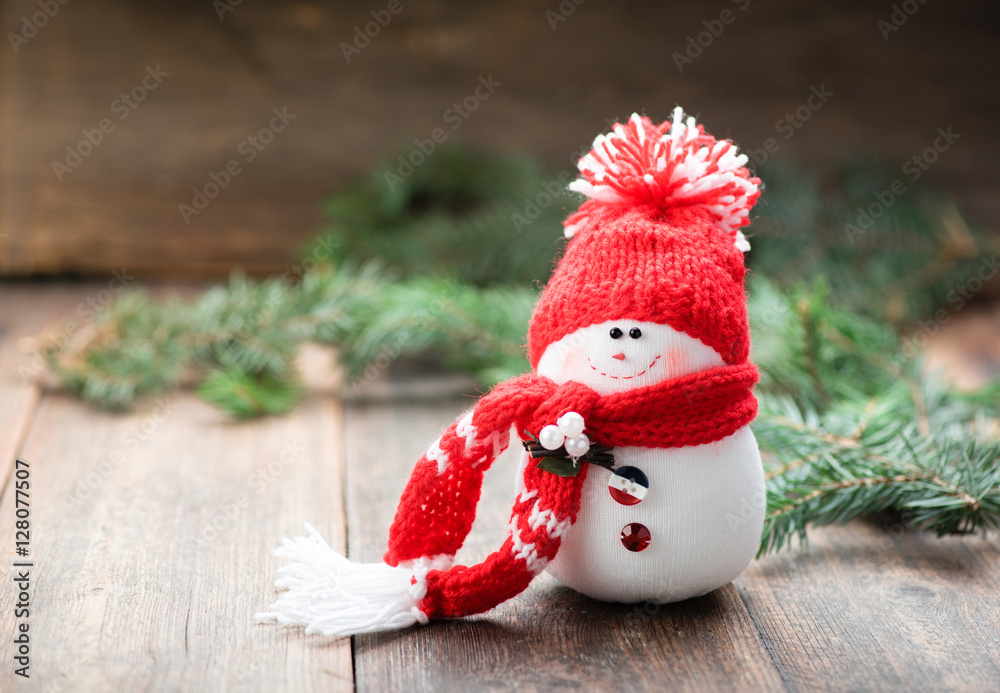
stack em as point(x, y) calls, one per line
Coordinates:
point(635, 333)
point(616, 333)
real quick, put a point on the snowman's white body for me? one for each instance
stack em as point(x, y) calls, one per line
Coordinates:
point(704, 508)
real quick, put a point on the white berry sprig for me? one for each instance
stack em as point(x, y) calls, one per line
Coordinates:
point(567, 432)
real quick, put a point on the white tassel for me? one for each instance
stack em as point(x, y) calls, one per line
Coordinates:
point(329, 594)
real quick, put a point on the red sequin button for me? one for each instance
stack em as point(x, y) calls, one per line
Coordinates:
point(635, 537)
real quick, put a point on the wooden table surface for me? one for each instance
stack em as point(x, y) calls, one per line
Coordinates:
point(151, 534)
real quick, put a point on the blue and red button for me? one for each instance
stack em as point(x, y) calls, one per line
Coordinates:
point(628, 485)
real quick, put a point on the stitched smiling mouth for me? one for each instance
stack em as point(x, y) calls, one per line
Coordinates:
point(624, 377)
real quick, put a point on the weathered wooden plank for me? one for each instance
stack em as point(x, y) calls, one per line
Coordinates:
point(119, 204)
point(874, 606)
point(151, 539)
point(547, 637)
point(25, 309)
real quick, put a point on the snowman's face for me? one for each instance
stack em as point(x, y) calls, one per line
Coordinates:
point(620, 355)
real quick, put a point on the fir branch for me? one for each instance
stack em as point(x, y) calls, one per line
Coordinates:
point(248, 395)
point(462, 215)
point(239, 340)
point(950, 489)
point(910, 257)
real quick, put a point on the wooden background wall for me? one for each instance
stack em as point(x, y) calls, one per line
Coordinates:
point(119, 206)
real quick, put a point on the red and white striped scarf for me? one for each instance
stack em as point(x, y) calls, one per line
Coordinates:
point(438, 506)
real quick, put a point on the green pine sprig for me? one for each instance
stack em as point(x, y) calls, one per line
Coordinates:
point(238, 341)
point(850, 427)
point(247, 395)
point(901, 264)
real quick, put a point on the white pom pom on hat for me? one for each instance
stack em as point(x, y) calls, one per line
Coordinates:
point(671, 165)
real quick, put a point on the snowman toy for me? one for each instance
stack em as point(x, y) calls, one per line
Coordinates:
point(641, 479)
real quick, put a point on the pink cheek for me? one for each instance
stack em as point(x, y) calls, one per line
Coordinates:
point(575, 360)
point(673, 362)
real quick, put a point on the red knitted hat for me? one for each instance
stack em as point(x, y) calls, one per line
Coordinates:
point(658, 241)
